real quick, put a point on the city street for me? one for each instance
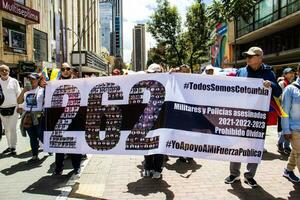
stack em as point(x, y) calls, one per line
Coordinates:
point(119, 177)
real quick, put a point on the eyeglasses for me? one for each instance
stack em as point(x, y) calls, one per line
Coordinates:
point(65, 69)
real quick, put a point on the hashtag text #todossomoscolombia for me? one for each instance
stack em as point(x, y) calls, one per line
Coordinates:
point(223, 88)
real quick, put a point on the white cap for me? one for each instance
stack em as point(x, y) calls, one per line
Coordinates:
point(154, 68)
point(208, 67)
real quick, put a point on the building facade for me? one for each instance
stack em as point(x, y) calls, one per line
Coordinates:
point(116, 34)
point(48, 34)
point(106, 24)
point(275, 27)
point(139, 48)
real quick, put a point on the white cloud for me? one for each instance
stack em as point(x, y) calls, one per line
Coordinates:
point(137, 11)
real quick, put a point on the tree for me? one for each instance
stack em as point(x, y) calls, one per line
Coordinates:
point(215, 14)
point(165, 27)
point(197, 35)
point(236, 9)
point(157, 55)
point(231, 10)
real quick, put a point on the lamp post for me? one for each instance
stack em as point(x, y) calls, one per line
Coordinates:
point(79, 49)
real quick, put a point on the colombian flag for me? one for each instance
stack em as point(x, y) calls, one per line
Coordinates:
point(275, 104)
point(55, 74)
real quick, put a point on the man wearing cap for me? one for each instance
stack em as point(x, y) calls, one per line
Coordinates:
point(284, 145)
point(255, 68)
point(8, 109)
point(291, 127)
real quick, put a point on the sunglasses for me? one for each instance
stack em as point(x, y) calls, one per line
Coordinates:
point(65, 69)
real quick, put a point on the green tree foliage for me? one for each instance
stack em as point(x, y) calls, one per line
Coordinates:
point(233, 9)
point(178, 45)
point(215, 14)
point(157, 55)
point(197, 35)
point(165, 27)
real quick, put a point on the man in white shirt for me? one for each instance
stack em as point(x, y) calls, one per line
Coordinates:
point(8, 109)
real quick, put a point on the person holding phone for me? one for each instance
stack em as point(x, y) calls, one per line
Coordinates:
point(33, 97)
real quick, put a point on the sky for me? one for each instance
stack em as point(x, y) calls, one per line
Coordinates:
point(139, 11)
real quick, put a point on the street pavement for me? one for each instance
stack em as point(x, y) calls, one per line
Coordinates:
point(21, 180)
point(119, 177)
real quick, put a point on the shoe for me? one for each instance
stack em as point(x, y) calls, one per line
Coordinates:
point(265, 150)
point(57, 173)
point(251, 182)
point(156, 175)
point(146, 173)
point(189, 159)
point(76, 171)
point(13, 151)
point(287, 151)
point(280, 148)
point(84, 157)
point(166, 158)
point(291, 176)
point(231, 179)
point(33, 159)
point(6, 151)
point(182, 159)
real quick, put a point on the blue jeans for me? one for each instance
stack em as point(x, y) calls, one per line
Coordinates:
point(282, 140)
point(35, 134)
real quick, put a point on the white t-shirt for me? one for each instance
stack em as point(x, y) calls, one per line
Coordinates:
point(34, 98)
point(11, 90)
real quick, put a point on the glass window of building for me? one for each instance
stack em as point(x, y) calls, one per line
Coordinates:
point(14, 37)
point(40, 45)
point(20, 2)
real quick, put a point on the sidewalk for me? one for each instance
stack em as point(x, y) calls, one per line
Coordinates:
point(119, 177)
point(29, 181)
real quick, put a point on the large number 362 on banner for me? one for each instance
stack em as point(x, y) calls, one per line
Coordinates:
point(211, 117)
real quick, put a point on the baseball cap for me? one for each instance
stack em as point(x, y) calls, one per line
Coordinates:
point(288, 70)
point(34, 75)
point(154, 68)
point(254, 51)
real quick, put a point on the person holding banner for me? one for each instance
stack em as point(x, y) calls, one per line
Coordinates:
point(183, 69)
point(10, 90)
point(153, 164)
point(255, 68)
point(67, 73)
point(291, 127)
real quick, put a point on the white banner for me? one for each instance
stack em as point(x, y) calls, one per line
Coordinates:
point(210, 117)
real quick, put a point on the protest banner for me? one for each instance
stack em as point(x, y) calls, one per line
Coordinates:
point(209, 117)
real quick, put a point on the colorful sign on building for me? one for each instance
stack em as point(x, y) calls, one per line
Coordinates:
point(220, 49)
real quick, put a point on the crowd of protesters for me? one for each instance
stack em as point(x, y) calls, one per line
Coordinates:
point(30, 99)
